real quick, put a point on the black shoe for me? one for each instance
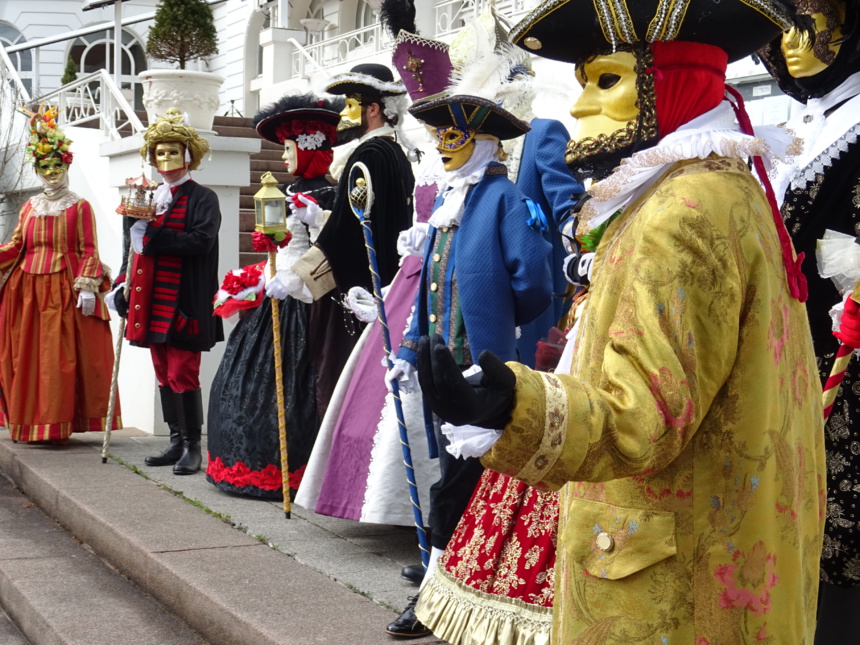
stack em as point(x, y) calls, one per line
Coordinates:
point(414, 573)
point(407, 624)
point(171, 409)
point(189, 462)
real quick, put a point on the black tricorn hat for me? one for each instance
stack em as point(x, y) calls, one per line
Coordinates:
point(367, 78)
point(470, 113)
point(573, 30)
point(296, 107)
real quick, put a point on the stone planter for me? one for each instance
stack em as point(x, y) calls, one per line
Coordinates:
point(191, 92)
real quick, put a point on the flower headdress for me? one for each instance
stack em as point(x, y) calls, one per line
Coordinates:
point(46, 138)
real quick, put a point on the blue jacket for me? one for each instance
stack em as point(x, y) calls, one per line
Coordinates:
point(544, 178)
point(502, 268)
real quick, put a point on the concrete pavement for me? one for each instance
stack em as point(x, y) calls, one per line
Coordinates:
point(232, 568)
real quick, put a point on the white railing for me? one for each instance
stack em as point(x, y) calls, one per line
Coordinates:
point(94, 97)
point(8, 73)
point(452, 15)
point(351, 46)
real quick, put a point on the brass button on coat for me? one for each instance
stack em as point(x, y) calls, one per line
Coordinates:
point(139, 271)
point(137, 325)
point(605, 542)
point(432, 318)
point(434, 286)
point(437, 257)
point(137, 288)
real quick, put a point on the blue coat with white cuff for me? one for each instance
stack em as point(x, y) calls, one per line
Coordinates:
point(502, 269)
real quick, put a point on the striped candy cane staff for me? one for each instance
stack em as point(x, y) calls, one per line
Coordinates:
point(360, 200)
point(840, 365)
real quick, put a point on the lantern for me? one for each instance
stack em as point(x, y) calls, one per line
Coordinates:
point(270, 207)
point(138, 200)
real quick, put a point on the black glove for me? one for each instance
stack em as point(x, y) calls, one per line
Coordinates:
point(483, 399)
point(120, 302)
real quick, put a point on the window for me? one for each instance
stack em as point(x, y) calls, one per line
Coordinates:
point(23, 60)
point(91, 53)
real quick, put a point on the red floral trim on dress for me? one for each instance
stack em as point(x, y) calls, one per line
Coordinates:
point(240, 475)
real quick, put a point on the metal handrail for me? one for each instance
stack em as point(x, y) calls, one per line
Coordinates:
point(12, 74)
point(94, 96)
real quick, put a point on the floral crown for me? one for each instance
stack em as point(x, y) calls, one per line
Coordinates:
point(308, 135)
point(46, 138)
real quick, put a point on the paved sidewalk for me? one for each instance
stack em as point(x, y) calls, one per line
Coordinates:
point(365, 559)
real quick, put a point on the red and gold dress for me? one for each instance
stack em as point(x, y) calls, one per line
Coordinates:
point(55, 363)
point(494, 584)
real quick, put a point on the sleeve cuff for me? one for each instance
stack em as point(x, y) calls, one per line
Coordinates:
point(314, 270)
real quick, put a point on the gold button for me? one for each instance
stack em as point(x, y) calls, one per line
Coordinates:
point(445, 229)
point(137, 306)
point(137, 325)
point(137, 288)
point(432, 318)
point(605, 542)
point(532, 43)
point(433, 286)
point(139, 271)
point(436, 257)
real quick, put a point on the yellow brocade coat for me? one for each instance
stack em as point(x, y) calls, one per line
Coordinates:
point(689, 441)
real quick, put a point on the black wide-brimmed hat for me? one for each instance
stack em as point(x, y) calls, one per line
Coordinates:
point(470, 113)
point(367, 78)
point(573, 30)
point(296, 107)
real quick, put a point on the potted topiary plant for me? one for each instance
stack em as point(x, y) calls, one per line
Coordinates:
point(184, 31)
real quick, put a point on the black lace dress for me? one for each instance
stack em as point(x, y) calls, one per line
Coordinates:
point(242, 427)
point(830, 199)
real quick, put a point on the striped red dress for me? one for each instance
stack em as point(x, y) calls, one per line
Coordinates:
point(55, 363)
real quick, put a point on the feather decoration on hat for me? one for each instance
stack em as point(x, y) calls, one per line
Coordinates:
point(397, 15)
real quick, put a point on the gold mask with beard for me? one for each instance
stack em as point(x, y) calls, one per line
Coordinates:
point(607, 110)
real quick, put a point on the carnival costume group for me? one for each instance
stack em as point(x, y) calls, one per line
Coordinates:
point(612, 396)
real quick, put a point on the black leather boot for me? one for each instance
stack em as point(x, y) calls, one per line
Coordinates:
point(189, 462)
point(172, 411)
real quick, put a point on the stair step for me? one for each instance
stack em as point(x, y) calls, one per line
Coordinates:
point(57, 591)
point(251, 258)
point(9, 634)
point(231, 588)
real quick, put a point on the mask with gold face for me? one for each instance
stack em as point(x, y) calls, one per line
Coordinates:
point(169, 156)
point(52, 170)
point(455, 146)
point(350, 116)
point(807, 55)
point(607, 114)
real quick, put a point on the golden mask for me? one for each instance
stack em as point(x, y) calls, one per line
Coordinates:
point(169, 156)
point(350, 116)
point(455, 146)
point(52, 169)
point(608, 100)
point(290, 155)
point(804, 58)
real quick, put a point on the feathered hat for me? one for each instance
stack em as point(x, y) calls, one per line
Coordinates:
point(173, 127)
point(367, 79)
point(488, 75)
point(46, 138)
point(307, 119)
point(423, 63)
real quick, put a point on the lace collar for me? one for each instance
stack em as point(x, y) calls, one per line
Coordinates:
point(715, 132)
point(43, 206)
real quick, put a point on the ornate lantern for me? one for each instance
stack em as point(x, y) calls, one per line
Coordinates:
point(270, 207)
point(138, 200)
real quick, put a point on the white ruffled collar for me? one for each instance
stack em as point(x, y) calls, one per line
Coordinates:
point(715, 132)
point(43, 206)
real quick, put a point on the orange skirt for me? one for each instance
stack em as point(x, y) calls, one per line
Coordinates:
point(55, 363)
